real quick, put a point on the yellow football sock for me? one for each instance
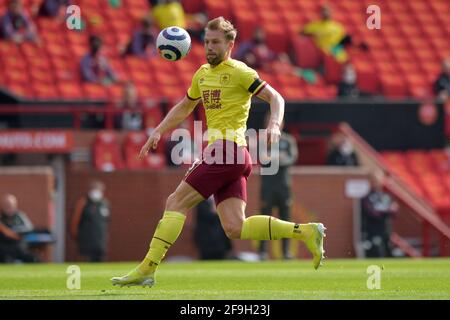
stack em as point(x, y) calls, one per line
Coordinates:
point(269, 228)
point(167, 231)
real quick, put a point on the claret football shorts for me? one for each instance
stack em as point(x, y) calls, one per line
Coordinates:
point(222, 171)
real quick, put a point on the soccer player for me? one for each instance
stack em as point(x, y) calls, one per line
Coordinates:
point(225, 87)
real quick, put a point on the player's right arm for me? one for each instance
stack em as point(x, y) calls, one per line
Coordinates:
point(175, 116)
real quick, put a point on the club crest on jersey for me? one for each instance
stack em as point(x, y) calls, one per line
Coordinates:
point(225, 78)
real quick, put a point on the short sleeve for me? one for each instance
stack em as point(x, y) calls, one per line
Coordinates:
point(250, 81)
point(193, 92)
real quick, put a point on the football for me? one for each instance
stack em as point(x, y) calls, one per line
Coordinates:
point(173, 43)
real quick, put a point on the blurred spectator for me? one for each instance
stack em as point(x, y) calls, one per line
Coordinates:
point(14, 224)
point(276, 189)
point(377, 209)
point(442, 83)
point(143, 41)
point(16, 25)
point(444, 165)
point(90, 223)
point(168, 13)
point(341, 152)
point(129, 119)
point(209, 237)
point(94, 66)
point(329, 35)
point(115, 3)
point(347, 87)
point(257, 55)
point(53, 8)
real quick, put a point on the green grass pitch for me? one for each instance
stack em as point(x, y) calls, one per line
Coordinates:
point(231, 280)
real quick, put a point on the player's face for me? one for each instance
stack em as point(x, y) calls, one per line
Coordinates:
point(216, 46)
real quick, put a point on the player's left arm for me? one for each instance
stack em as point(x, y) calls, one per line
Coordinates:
point(276, 101)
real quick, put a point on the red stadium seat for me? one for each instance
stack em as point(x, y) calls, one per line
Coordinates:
point(393, 86)
point(115, 92)
point(333, 69)
point(106, 151)
point(218, 8)
point(16, 62)
point(45, 91)
point(139, 4)
point(193, 6)
point(41, 62)
point(152, 116)
point(70, 90)
point(17, 76)
point(41, 76)
point(293, 93)
point(276, 37)
point(132, 145)
point(141, 77)
point(307, 55)
point(367, 77)
point(246, 22)
point(21, 90)
point(155, 161)
point(95, 91)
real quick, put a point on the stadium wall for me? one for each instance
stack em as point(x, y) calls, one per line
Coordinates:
point(138, 197)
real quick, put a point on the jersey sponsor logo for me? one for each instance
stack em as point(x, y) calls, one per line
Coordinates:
point(211, 99)
point(225, 79)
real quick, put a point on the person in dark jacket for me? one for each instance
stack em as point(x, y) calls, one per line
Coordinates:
point(442, 84)
point(276, 189)
point(94, 65)
point(16, 25)
point(142, 42)
point(53, 8)
point(348, 86)
point(377, 210)
point(342, 152)
point(90, 223)
point(210, 239)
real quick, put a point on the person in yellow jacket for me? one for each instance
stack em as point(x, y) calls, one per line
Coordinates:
point(169, 13)
point(329, 35)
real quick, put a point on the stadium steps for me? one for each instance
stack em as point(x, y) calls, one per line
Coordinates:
point(404, 245)
point(431, 210)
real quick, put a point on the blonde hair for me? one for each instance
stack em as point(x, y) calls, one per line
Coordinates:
point(221, 24)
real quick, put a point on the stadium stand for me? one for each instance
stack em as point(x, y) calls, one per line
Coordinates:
point(401, 62)
point(427, 173)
